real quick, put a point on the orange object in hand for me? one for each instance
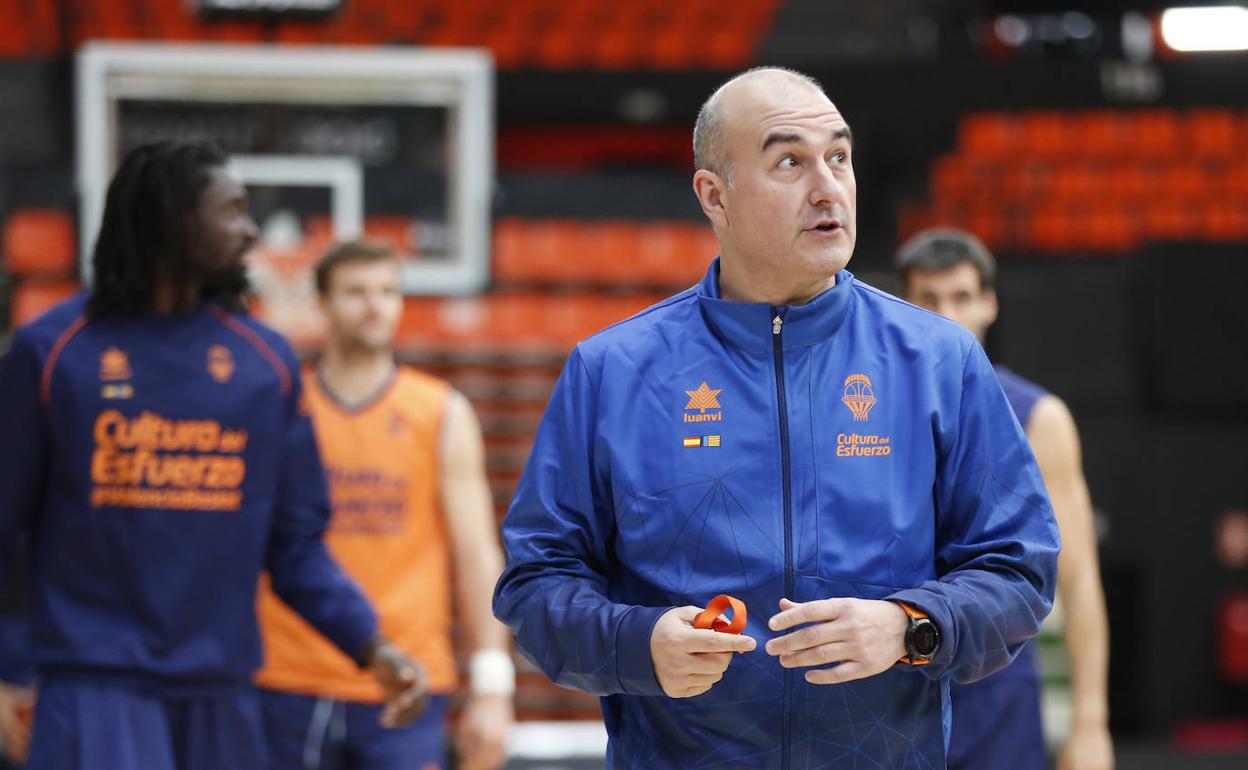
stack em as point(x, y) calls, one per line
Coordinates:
point(709, 617)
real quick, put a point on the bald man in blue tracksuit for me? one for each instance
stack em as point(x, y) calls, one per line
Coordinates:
point(843, 462)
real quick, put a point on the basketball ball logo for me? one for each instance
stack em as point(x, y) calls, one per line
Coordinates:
point(859, 396)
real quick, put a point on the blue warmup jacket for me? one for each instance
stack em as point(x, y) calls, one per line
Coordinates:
point(855, 446)
point(158, 464)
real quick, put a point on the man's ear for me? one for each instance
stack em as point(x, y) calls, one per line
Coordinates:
point(991, 306)
point(712, 192)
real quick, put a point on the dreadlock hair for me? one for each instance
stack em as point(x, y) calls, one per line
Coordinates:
point(148, 227)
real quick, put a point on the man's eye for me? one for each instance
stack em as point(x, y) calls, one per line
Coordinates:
point(788, 161)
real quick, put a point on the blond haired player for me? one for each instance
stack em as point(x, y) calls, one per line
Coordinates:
point(413, 524)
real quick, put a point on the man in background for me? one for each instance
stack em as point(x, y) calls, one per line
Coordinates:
point(157, 456)
point(412, 517)
point(997, 720)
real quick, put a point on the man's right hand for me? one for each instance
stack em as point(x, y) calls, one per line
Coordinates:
point(689, 661)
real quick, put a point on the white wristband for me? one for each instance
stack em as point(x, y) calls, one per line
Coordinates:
point(491, 672)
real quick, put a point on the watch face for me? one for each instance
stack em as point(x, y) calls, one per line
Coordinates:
point(926, 638)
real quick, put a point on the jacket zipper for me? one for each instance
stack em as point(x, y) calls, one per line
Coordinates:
point(777, 348)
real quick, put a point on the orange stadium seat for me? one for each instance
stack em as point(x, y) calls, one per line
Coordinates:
point(304, 32)
point(39, 242)
point(951, 178)
point(621, 46)
point(1170, 220)
point(1226, 221)
point(13, 38)
point(556, 252)
point(30, 28)
point(1153, 134)
point(1185, 181)
point(1131, 182)
point(510, 43)
point(400, 233)
point(232, 31)
point(1046, 134)
point(1049, 229)
point(109, 19)
point(32, 298)
point(675, 253)
point(1076, 183)
point(1212, 132)
point(613, 253)
point(1236, 181)
point(989, 134)
point(509, 250)
point(168, 21)
point(1112, 228)
point(989, 224)
point(1101, 133)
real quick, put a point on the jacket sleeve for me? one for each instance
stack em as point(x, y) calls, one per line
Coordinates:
point(997, 540)
point(553, 593)
point(302, 571)
point(22, 444)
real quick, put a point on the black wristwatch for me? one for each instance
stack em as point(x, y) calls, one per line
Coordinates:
point(922, 637)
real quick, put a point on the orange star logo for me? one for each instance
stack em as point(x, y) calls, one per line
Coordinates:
point(703, 398)
point(115, 365)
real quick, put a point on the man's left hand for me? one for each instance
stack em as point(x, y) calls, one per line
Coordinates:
point(1087, 748)
point(862, 637)
point(483, 732)
point(404, 683)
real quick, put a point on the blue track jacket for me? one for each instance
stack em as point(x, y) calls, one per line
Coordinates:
point(158, 463)
point(855, 446)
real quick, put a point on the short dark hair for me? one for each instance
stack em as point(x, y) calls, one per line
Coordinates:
point(148, 225)
point(941, 248)
point(349, 252)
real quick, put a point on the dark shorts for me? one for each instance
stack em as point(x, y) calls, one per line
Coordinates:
point(89, 726)
point(307, 733)
point(997, 725)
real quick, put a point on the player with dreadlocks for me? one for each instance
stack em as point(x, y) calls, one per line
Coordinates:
point(158, 456)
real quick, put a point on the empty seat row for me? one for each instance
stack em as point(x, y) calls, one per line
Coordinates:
point(1101, 228)
point(1158, 133)
point(597, 34)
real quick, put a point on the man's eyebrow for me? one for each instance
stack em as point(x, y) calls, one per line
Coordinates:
point(782, 137)
point(779, 137)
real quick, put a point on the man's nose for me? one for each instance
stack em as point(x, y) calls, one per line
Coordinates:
point(827, 188)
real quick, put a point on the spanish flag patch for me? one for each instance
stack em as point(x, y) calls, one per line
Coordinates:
point(693, 442)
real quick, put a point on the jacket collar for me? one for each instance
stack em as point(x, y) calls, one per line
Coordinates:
point(749, 326)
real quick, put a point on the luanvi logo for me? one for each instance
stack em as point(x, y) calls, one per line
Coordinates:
point(704, 399)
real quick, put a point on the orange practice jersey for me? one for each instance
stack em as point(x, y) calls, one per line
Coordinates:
point(387, 531)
